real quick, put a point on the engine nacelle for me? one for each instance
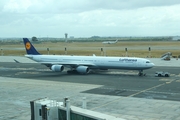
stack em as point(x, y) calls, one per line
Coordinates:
point(57, 68)
point(82, 69)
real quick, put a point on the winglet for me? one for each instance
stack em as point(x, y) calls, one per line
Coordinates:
point(30, 49)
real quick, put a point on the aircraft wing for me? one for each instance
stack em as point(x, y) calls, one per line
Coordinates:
point(68, 63)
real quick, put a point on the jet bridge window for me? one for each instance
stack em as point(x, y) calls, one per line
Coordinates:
point(39, 112)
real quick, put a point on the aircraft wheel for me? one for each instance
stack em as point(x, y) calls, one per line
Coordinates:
point(140, 74)
point(166, 75)
point(72, 72)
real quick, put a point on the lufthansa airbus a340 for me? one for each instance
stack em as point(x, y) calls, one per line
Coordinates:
point(83, 64)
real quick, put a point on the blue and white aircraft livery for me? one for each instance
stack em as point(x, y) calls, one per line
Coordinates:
point(83, 64)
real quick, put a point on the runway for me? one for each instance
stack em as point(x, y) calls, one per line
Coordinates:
point(116, 92)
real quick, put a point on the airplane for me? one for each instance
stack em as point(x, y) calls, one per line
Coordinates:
point(83, 64)
point(110, 42)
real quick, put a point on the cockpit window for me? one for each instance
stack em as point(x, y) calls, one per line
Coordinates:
point(147, 62)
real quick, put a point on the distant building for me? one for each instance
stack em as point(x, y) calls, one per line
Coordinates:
point(176, 38)
point(72, 37)
point(95, 36)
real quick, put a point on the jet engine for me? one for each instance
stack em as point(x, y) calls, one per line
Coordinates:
point(57, 68)
point(82, 69)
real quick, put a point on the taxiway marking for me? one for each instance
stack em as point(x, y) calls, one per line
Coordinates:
point(116, 100)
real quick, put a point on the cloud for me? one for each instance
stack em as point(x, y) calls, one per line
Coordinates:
point(15, 6)
point(76, 6)
point(84, 18)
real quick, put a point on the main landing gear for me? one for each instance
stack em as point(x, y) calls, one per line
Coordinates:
point(141, 73)
point(72, 72)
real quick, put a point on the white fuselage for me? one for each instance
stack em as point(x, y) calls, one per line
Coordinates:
point(95, 62)
point(110, 42)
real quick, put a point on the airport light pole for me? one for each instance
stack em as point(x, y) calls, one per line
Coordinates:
point(126, 51)
point(101, 51)
point(2, 52)
point(65, 51)
point(149, 51)
point(48, 50)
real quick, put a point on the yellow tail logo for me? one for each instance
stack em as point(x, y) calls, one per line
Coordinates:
point(28, 45)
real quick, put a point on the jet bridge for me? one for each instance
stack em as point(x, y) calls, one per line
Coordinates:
point(46, 109)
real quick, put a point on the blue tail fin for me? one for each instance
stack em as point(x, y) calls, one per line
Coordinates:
point(30, 48)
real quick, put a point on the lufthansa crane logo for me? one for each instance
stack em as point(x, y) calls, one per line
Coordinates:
point(28, 45)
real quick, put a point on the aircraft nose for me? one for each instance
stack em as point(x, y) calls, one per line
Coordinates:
point(152, 64)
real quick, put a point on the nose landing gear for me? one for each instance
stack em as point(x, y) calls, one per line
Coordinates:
point(141, 73)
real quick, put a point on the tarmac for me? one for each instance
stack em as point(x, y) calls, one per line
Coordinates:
point(117, 93)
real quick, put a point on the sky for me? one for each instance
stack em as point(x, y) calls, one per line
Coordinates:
point(86, 18)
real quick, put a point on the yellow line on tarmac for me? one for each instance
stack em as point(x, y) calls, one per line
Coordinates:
point(127, 96)
point(146, 90)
